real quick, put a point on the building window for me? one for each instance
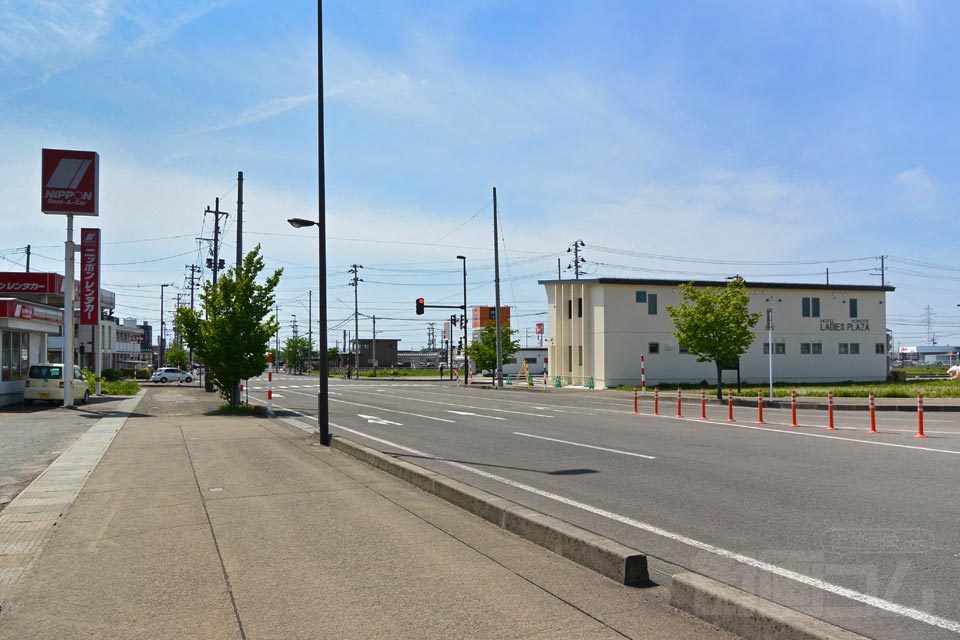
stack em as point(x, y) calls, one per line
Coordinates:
point(810, 307)
point(580, 353)
point(854, 348)
point(15, 355)
point(641, 297)
point(569, 357)
point(569, 308)
point(853, 307)
point(844, 348)
point(808, 348)
point(579, 307)
point(652, 304)
point(653, 347)
point(779, 348)
point(880, 349)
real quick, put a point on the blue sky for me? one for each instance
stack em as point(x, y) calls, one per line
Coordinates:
point(767, 138)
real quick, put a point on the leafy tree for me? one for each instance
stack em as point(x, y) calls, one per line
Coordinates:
point(483, 350)
point(333, 355)
point(177, 357)
point(233, 339)
point(296, 353)
point(715, 324)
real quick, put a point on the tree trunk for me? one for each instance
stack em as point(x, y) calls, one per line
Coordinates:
point(719, 381)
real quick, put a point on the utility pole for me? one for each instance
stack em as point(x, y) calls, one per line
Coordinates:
point(176, 325)
point(192, 280)
point(277, 308)
point(496, 278)
point(239, 219)
point(355, 283)
point(373, 348)
point(883, 281)
point(28, 258)
point(577, 260)
point(216, 237)
point(293, 326)
point(431, 338)
point(162, 337)
point(310, 325)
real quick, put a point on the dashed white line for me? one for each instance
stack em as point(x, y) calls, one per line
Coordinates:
point(586, 446)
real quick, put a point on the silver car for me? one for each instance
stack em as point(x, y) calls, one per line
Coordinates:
point(170, 374)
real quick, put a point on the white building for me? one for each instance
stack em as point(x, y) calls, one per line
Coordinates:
point(600, 328)
point(25, 328)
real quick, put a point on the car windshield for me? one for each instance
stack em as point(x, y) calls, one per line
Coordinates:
point(45, 373)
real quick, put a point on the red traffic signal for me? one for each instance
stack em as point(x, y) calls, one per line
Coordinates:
point(419, 306)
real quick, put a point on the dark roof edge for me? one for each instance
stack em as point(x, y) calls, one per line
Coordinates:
point(723, 283)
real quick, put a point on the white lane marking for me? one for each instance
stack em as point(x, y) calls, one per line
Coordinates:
point(823, 585)
point(812, 435)
point(406, 413)
point(377, 420)
point(586, 446)
point(462, 406)
point(476, 415)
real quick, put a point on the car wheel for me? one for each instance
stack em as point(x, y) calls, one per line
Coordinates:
point(86, 397)
point(188, 379)
point(163, 380)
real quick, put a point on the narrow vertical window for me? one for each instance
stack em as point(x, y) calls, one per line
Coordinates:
point(569, 357)
point(579, 307)
point(580, 348)
point(569, 308)
point(805, 307)
point(652, 304)
point(815, 307)
point(853, 307)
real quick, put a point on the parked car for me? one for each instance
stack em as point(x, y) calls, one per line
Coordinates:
point(45, 382)
point(170, 374)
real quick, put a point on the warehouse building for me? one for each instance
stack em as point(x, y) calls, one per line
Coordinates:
point(607, 329)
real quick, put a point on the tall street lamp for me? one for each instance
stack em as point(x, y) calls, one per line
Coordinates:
point(466, 360)
point(323, 416)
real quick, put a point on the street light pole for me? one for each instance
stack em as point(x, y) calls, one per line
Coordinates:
point(466, 360)
point(162, 331)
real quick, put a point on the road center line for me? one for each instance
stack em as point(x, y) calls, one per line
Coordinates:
point(873, 601)
point(586, 446)
point(406, 413)
point(462, 406)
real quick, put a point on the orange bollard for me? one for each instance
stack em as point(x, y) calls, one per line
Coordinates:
point(703, 404)
point(920, 417)
point(730, 406)
point(793, 409)
point(760, 407)
point(873, 415)
point(656, 401)
point(679, 403)
point(830, 426)
point(636, 408)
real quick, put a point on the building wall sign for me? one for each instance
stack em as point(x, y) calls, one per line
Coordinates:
point(31, 283)
point(89, 276)
point(70, 182)
point(21, 311)
point(827, 324)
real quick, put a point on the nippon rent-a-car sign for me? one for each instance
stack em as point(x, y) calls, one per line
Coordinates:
point(70, 182)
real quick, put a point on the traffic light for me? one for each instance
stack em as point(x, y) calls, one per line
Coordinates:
point(419, 306)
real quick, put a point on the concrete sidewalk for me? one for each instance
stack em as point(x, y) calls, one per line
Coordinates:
point(201, 526)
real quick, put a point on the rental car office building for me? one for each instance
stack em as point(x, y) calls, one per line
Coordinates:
point(600, 328)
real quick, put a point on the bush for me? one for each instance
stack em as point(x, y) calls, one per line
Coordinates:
point(112, 375)
point(143, 374)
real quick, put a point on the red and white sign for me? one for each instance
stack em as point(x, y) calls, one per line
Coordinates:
point(30, 283)
point(70, 182)
point(89, 276)
point(17, 310)
point(539, 328)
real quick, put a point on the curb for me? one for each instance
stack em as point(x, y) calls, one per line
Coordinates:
point(747, 615)
point(607, 557)
point(729, 608)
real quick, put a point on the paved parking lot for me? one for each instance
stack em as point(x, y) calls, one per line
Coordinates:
point(32, 437)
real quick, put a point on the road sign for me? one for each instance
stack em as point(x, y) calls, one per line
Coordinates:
point(70, 182)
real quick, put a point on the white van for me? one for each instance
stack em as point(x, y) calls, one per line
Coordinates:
point(45, 382)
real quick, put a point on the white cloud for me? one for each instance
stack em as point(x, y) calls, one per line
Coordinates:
point(259, 113)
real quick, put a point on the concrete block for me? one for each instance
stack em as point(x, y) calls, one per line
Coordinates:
point(748, 616)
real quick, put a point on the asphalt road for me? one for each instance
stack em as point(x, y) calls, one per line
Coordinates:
point(856, 529)
point(32, 437)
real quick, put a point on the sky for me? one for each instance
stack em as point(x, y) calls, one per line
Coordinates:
point(702, 139)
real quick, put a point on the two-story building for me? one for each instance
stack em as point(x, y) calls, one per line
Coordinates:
point(608, 328)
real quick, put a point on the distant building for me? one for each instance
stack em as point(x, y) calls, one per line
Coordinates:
point(386, 352)
point(600, 329)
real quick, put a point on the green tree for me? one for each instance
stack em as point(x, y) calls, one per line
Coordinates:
point(177, 357)
point(483, 350)
point(296, 353)
point(234, 337)
point(715, 324)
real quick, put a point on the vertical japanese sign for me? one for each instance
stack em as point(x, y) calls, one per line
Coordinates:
point(90, 276)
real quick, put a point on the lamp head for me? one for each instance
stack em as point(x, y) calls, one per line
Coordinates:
point(300, 222)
